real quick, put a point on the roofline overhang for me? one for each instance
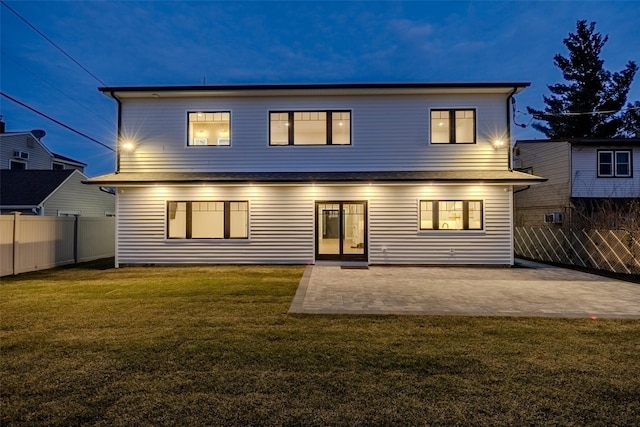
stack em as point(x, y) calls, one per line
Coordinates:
point(67, 160)
point(311, 89)
point(114, 180)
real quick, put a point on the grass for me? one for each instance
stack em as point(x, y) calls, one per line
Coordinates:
point(215, 346)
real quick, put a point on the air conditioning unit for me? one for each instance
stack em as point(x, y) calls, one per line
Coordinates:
point(21, 155)
point(554, 218)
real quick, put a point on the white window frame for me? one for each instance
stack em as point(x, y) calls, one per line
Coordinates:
point(227, 139)
point(25, 163)
point(614, 164)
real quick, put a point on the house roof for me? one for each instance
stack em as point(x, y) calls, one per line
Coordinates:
point(30, 187)
point(586, 141)
point(311, 89)
point(486, 176)
point(66, 159)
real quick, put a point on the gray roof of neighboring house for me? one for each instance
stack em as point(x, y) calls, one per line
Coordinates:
point(29, 187)
point(586, 141)
point(488, 176)
point(67, 159)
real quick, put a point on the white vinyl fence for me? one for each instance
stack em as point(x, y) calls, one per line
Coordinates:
point(30, 243)
point(611, 250)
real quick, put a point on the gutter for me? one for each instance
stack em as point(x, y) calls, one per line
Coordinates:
point(118, 131)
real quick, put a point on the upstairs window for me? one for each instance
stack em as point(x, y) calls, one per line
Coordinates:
point(310, 128)
point(208, 220)
point(209, 128)
point(614, 163)
point(453, 126)
point(451, 215)
point(57, 166)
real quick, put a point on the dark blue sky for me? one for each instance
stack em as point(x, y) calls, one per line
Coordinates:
point(188, 43)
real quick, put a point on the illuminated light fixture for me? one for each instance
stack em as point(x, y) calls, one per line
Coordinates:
point(498, 143)
point(128, 146)
point(224, 133)
point(440, 124)
point(199, 114)
point(200, 133)
point(340, 124)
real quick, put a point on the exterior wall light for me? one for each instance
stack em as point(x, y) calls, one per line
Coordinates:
point(498, 143)
point(128, 146)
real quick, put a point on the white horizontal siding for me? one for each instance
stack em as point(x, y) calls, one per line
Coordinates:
point(73, 195)
point(550, 160)
point(388, 133)
point(585, 181)
point(39, 158)
point(282, 225)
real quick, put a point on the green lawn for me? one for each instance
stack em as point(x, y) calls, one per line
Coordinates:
point(215, 346)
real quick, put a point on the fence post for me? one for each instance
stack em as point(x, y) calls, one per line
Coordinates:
point(16, 241)
point(75, 238)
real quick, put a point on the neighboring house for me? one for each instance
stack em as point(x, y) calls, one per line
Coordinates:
point(591, 182)
point(298, 174)
point(52, 193)
point(24, 150)
point(36, 181)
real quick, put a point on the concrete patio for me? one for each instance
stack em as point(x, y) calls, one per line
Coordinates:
point(527, 290)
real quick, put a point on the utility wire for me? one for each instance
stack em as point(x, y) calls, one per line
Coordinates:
point(53, 43)
point(569, 113)
point(56, 121)
point(58, 89)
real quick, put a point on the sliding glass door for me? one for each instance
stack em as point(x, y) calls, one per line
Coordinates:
point(341, 231)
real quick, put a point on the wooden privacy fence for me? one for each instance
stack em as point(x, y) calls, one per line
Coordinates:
point(611, 250)
point(30, 243)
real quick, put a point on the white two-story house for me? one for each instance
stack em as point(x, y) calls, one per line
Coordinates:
point(300, 174)
point(592, 182)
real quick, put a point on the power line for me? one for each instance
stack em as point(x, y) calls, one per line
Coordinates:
point(58, 89)
point(53, 43)
point(586, 113)
point(56, 121)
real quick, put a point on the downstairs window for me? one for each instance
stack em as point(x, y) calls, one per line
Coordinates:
point(451, 215)
point(208, 220)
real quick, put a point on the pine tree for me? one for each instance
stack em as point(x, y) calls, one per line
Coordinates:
point(589, 88)
point(631, 121)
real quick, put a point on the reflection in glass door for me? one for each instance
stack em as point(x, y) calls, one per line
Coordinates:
point(341, 228)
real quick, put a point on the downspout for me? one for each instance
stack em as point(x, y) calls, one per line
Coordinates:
point(119, 137)
point(509, 103)
point(118, 131)
point(512, 196)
